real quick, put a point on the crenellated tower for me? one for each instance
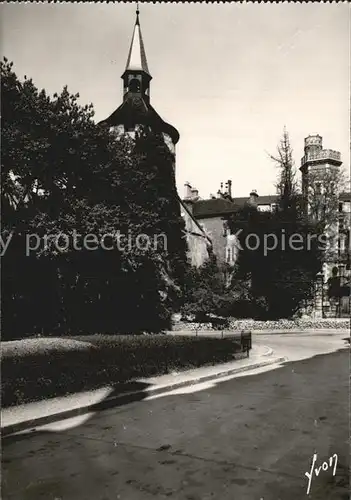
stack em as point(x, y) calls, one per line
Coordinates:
point(317, 164)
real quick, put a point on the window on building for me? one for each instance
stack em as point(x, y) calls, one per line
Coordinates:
point(134, 85)
point(229, 254)
point(341, 206)
point(347, 242)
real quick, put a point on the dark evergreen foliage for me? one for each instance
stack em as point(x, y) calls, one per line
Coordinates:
point(62, 173)
point(206, 292)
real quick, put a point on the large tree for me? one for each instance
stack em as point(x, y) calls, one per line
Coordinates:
point(287, 184)
point(206, 294)
point(62, 173)
point(281, 251)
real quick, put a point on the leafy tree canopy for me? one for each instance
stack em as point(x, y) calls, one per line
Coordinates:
point(62, 173)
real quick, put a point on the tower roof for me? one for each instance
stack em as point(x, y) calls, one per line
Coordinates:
point(137, 57)
point(136, 108)
point(135, 111)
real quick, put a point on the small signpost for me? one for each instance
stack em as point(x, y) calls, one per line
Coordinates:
point(245, 339)
point(246, 342)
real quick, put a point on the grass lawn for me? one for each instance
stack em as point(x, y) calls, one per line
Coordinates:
point(40, 368)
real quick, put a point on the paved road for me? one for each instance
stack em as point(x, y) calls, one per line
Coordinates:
point(298, 346)
point(249, 438)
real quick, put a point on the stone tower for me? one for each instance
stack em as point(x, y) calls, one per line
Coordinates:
point(136, 108)
point(320, 169)
point(135, 111)
point(316, 164)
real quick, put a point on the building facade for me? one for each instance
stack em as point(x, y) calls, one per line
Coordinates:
point(320, 169)
point(206, 229)
point(212, 214)
point(325, 200)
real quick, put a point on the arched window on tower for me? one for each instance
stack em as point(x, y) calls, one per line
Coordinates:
point(134, 85)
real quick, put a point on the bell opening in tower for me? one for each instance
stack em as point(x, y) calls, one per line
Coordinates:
point(134, 86)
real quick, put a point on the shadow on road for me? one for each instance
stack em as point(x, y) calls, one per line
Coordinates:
point(151, 449)
point(121, 394)
point(32, 456)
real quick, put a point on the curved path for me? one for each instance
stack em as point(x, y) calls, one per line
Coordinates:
point(248, 438)
point(298, 346)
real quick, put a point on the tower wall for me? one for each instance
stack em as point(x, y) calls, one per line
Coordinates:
point(214, 228)
point(170, 144)
point(313, 144)
point(136, 109)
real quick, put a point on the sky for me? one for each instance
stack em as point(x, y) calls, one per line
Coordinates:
point(228, 76)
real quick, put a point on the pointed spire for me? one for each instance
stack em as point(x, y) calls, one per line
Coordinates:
point(137, 57)
point(137, 14)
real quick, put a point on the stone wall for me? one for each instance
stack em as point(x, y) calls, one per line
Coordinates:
point(215, 230)
point(197, 249)
point(197, 241)
point(250, 324)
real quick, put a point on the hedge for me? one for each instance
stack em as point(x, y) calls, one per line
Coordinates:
point(37, 369)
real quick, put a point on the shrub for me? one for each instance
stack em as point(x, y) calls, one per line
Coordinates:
point(38, 373)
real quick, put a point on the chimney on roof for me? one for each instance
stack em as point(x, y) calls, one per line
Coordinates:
point(194, 194)
point(220, 192)
point(228, 189)
point(187, 191)
point(253, 197)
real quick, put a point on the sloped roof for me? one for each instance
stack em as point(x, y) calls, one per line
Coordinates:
point(217, 207)
point(213, 207)
point(267, 199)
point(135, 111)
point(345, 196)
point(261, 200)
point(137, 56)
